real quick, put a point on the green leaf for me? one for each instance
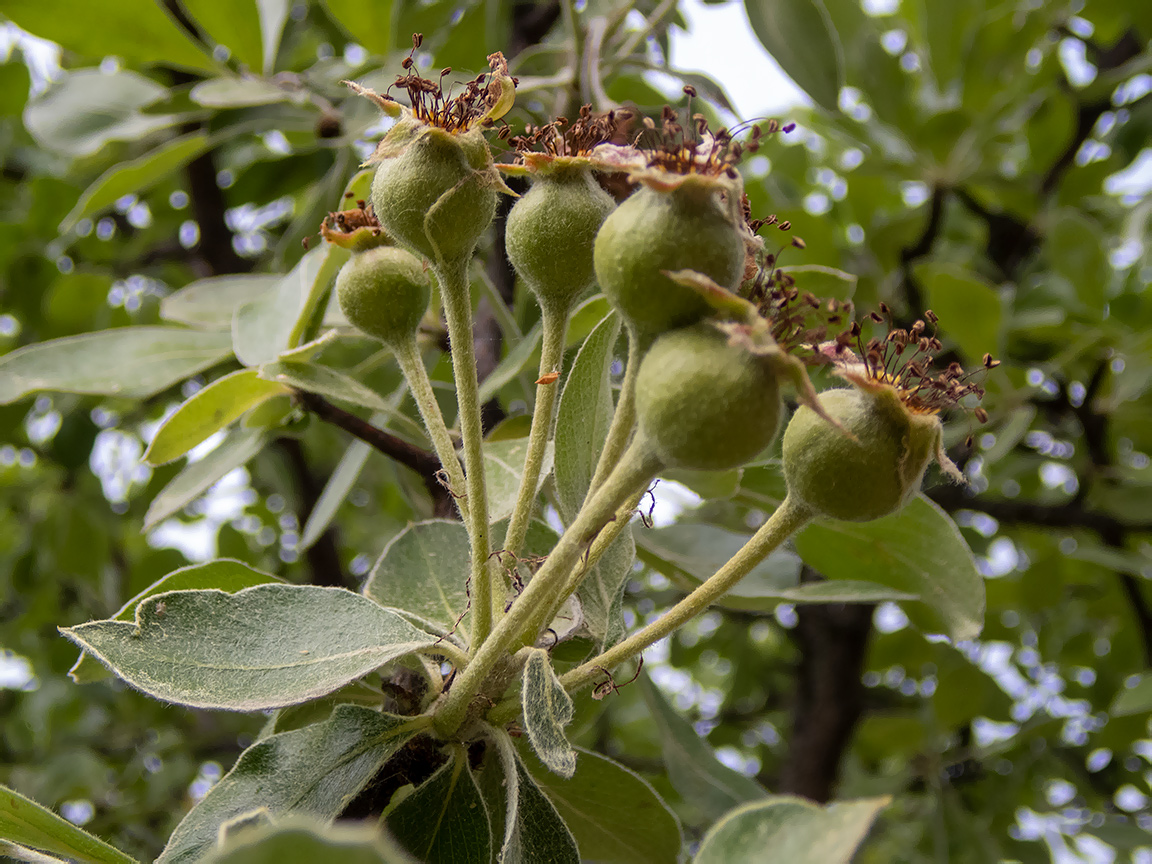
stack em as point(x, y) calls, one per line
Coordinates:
point(584, 416)
point(80, 114)
point(297, 840)
point(800, 37)
point(538, 832)
point(823, 281)
point(614, 814)
point(787, 830)
point(208, 411)
point(137, 31)
point(547, 710)
point(918, 550)
point(370, 24)
point(503, 469)
point(198, 477)
point(135, 362)
point(1134, 700)
point(1075, 247)
point(231, 92)
point(445, 820)
point(136, 175)
point(969, 308)
point(947, 33)
point(601, 592)
point(315, 378)
point(235, 24)
point(263, 647)
point(273, 17)
point(222, 574)
point(339, 485)
point(703, 782)
point(424, 570)
point(585, 319)
point(690, 552)
point(511, 366)
point(24, 821)
point(263, 327)
point(315, 770)
point(212, 302)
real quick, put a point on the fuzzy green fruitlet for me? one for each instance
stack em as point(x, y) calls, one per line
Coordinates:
point(384, 292)
point(872, 471)
point(686, 228)
point(704, 403)
point(551, 231)
point(438, 195)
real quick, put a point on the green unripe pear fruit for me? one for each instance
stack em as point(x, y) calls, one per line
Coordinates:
point(384, 292)
point(704, 404)
point(551, 231)
point(652, 231)
point(870, 473)
point(438, 195)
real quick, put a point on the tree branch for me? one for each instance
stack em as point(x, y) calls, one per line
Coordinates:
point(829, 697)
point(410, 456)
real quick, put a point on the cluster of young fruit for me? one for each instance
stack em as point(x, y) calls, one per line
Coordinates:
point(674, 257)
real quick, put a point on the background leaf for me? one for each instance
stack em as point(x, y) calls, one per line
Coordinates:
point(918, 550)
point(708, 786)
point(314, 770)
point(784, 830)
point(503, 469)
point(196, 478)
point(370, 24)
point(260, 648)
point(25, 822)
point(131, 361)
point(136, 175)
point(423, 570)
point(234, 24)
point(135, 30)
point(212, 302)
point(800, 37)
point(208, 411)
point(300, 841)
point(615, 816)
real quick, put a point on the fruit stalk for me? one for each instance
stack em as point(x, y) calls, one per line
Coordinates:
point(787, 519)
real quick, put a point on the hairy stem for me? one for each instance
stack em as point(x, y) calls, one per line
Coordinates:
point(624, 417)
point(554, 325)
point(411, 364)
point(788, 518)
point(634, 471)
point(576, 574)
point(453, 278)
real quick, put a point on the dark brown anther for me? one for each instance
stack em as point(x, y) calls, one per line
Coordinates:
point(981, 415)
point(798, 243)
point(785, 225)
point(877, 317)
point(689, 90)
point(931, 316)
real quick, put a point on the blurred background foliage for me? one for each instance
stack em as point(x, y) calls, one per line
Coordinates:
point(987, 159)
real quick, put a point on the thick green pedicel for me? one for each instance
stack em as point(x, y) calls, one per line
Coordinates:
point(867, 476)
point(384, 292)
point(653, 231)
point(551, 232)
point(704, 404)
point(438, 195)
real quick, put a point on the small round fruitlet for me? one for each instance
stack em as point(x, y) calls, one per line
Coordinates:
point(704, 403)
point(384, 292)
